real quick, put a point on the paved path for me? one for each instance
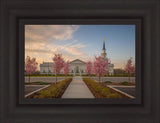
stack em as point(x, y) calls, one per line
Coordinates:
point(77, 89)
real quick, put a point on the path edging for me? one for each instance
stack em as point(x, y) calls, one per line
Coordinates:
point(36, 90)
point(121, 92)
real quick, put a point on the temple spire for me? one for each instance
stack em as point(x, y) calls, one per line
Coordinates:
point(104, 43)
point(104, 54)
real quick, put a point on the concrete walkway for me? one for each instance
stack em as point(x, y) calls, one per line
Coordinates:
point(77, 89)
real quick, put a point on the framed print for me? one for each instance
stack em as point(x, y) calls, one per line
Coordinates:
point(90, 61)
point(85, 72)
point(113, 86)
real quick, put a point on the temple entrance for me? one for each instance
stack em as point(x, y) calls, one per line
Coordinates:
point(77, 69)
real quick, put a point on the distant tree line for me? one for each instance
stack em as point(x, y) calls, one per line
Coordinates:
point(99, 67)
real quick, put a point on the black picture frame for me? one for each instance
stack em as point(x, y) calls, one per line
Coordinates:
point(15, 13)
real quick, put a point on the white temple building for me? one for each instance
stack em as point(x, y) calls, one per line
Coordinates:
point(76, 67)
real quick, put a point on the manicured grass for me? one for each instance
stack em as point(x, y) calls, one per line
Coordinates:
point(54, 91)
point(37, 83)
point(123, 75)
point(100, 91)
point(46, 76)
point(52, 75)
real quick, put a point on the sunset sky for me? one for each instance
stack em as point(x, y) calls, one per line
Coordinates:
point(80, 42)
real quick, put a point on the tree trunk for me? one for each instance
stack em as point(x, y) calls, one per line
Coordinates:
point(29, 78)
point(128, 77)
point(99, 79)
point(56, 78)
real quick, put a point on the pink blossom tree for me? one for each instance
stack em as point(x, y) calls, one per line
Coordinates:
point(66, 68)
point(129, 68)
point(88, 69)
point(30, 65)
point(58, 64)
point(100, 66)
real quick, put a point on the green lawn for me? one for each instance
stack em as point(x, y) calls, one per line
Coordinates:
point(47, 76)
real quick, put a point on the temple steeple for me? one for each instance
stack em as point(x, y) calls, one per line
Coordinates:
point(104, 44)
point(104, 54)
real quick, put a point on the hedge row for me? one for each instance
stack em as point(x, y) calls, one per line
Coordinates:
point(115, 75)
point(39, 75)
point(37, 83)
point(119, 75)
point(99, 91)
point(54, 91)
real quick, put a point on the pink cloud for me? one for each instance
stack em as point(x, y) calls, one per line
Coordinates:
point(44, 33)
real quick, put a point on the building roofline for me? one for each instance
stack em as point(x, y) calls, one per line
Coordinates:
point(78, 60)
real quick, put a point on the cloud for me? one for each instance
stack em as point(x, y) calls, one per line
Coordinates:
point(42, 41)
point(37, 50)
point(69, 51)
point(46, 33)
point(75, 49)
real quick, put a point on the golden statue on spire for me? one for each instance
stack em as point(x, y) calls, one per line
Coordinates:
point(104, 39)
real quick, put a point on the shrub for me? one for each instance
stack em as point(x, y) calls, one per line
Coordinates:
point(120, 75)
point(115, 95)
point(97, 89)
point(124, 83)
point(53, 91)
point(40, 75)
point(61, 75)
point(41, 83)
point(108, 82)
point(88, 75)
point(45, 94)
point(105, 92)
point(37, 83)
